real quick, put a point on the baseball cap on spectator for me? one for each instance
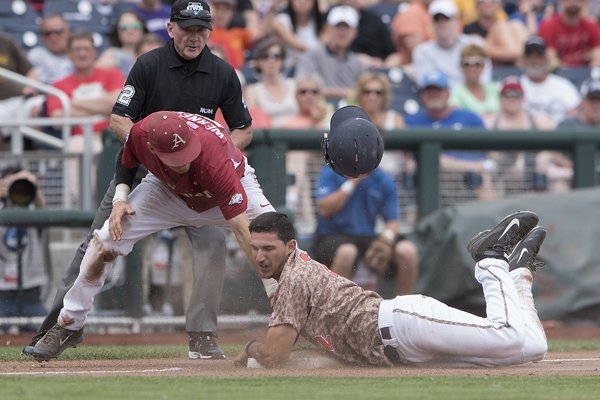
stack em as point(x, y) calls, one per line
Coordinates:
point(535, 45)
point(590, 88)
point(172, 140)
point(511, 84)
point(434, 78)
point(447, 8)
point(343, 14)
point(191, 13)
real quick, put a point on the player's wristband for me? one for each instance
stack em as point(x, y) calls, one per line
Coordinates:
point(247, 348)
point(121, 193)
point(348, 187)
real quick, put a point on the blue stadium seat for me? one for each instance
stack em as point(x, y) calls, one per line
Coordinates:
point(19, 16)
point(405, 91)
point(80, 14)
point(25, 39)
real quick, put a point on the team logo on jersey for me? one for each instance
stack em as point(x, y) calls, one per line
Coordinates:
point(177, 140)
point(195, 7)
point(236, 199)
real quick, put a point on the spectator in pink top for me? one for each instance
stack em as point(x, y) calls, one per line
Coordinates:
point(572, 39)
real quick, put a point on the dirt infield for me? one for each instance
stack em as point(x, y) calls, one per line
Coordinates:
point(559, 363)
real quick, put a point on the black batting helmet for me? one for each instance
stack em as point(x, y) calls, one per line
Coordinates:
point(354, 146)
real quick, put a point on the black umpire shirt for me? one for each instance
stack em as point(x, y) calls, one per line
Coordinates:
point(161, 80)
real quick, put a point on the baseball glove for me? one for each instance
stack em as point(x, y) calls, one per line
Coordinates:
point(378, 256)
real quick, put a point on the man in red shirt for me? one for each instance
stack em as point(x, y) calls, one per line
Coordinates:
point(196, 177)
point(572, 39)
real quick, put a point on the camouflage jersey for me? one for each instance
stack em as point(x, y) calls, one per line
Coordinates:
point(329, 310)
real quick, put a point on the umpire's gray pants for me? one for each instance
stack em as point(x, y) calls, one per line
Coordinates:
point(208, 254)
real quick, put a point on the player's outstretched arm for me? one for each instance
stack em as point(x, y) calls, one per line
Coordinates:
point(239, 226)
point(123, 180)
point(274, 352)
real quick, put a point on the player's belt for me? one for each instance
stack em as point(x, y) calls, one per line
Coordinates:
point(389, 351)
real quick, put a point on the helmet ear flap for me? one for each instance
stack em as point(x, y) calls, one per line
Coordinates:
point(325, 148)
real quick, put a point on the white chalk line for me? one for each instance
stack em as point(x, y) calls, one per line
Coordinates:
point(571, 359)
point(123, 371)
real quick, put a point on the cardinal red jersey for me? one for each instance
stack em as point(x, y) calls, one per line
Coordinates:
point(213, 178)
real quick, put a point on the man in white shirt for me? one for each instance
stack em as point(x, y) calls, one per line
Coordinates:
point(442, 53)
point(544, 91)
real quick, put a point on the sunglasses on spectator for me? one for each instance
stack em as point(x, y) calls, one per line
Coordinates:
point(137, 25)
point(308, 91)
point(54, 32)
point(271, 56)
point(512, 94)
point(372, 91)
point(473, 62)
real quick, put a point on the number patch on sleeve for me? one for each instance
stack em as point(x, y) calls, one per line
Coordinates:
point(126, 94)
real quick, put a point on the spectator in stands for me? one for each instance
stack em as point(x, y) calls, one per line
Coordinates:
point(410, 27)
point(273, 93)
point(156, 14)
point(531, 12)
point(149, 41)
point(487, 16)
point(91, 90)
point(373, 43)
point(504, 42)
point(588, 115)
point(127, 32)
point(518, 169)
point(13, 96)
point(545, 91)
point(313, 113)
point(51, 61)
point(346, 236)
point(572, 39)
point(442, 53)
point(373, 93)
point(299, 26)
point(235, 41)
point(333, 60)
point(468, 9)
point(461, 169)
point(21, 285)
point(473, 95)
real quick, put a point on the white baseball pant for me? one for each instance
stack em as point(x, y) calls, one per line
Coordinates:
point(426, 332)
point(156, 207)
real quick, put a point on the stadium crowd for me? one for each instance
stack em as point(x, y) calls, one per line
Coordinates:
point(489, 64)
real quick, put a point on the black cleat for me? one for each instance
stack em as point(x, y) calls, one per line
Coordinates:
point(499, 241)
point(55, 341)
point(203, 346)
point(28, 350)
point(523, 256)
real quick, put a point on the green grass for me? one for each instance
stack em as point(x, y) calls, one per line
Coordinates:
point(186, 388)
point(275, 388)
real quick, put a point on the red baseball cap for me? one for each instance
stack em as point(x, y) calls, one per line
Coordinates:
point(172, 140)
point(511, 83)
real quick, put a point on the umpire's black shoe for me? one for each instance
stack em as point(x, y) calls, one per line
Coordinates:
point(525, 252)
point(203, 346)
point(55, 341)
point(499, 241)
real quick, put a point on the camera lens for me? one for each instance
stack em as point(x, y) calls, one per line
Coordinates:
point(22, 192)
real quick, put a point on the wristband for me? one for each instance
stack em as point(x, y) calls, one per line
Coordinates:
point(388, 235)
point(248, 347)
point(121, 193)
point(348, 187)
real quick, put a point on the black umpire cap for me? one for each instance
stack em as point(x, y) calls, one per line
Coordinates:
point(187, 13)
point(354, 147)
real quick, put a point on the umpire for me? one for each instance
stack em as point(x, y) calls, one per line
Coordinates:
point(184, 76)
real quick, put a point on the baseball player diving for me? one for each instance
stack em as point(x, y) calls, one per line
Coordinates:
point(358, 327)
point(197, 177)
